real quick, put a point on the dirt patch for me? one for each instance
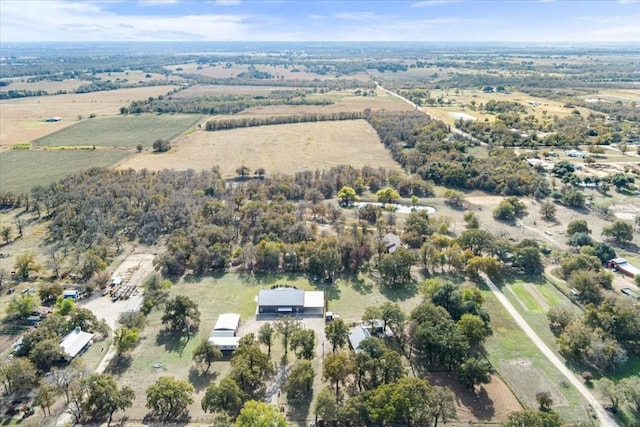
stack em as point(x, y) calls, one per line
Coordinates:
point(491, 402)
point(133, 270)
point(528, 380)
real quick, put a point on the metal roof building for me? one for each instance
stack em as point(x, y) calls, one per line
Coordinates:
point(227, 325)
point(357, 335)
point(75, 342)
point(286, 300)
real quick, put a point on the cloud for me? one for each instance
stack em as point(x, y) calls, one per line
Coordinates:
point(358, 16)
point(157, 2)
point(227, 2)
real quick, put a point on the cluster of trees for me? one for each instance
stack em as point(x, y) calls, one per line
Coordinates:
point(221, 104)
point(327, 84)
point(426, 147)
point(225, 124)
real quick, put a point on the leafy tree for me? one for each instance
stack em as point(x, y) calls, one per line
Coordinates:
point(260, 414)
point(347, 196)
point(473, 371)
point(587, 286)
point(532, 418)
point(104, 398)
point(604, 252)
point(303, 342)
point(49, 292)
point(442, 405)
point(580, 239)
point(387, 195)
point(265, 335)
point(548, 211)
point(472, 220)
point(25, 264)
point(578, 226)
point(132, 319)
point(559, 318)
point(161, 146)
point(405, 401)
point(337, 333)
point(544, 401)
point(620, 231)
point(46, 353)
point(206, 353)
point(22, 306)
point(325, 259)
point(250, 368)
point(473, 328)
point(169, 398)
point(181, 314)
point(631, 389)
point(226, 397)
point(611, 391)
point(336, 369)
point(528, 259)
point(18, 376)
point(299, 383)
point(45, 397)
point(476, 240)
point(243, 171)
point(286, 328)
point(454, 198)
point(91, 264)
point(395, 268)
point(486, 264)
point(326, 407)
point(125, 339)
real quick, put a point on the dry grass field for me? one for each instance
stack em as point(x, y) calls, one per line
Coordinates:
point(279, 149)
point(22, 120)
point(50, 87)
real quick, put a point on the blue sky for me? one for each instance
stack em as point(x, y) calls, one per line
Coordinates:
point(275, 20)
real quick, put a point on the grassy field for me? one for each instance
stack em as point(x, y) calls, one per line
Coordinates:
point(22, 170)
point(278, 149)
point(22, 119)
point(121, 131)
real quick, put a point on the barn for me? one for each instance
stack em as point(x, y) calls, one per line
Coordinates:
point(288, 301)
point(622, 265)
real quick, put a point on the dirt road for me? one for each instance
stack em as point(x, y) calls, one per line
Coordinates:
point(603, 416)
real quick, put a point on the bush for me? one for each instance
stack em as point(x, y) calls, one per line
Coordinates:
point(161, 146)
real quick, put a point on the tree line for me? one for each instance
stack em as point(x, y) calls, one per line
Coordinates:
point(243, 122)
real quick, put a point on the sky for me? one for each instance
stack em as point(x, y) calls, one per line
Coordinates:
point(329, 20)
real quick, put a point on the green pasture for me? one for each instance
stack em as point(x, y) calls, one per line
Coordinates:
point(20, 170)
point(121, 131)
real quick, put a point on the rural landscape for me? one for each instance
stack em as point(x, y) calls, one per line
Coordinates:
point(320, 234)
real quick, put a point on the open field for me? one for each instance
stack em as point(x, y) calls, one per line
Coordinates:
point(22, 119)
point(49, 86)
point(20, 170)
point(121, 131)
point(279, 149)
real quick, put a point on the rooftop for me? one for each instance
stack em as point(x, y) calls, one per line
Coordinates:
point(357, 335)
point(75, 341)
point(281, 297)
point(227, 321)
point(313, 299)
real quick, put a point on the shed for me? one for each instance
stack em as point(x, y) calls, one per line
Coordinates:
point(225, 343)
point(75, 342)
point(227, 325)
point(281, 300)
point(357, 335)
point(314, 303)
point(623, 266)
point(391, 242)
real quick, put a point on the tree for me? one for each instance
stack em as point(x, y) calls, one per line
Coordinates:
point(325, 259)
point(45, 397)
point(226, 397)
point(265, 336)
point(22, 306)
point(243, 171)
point(25, 264)
point(337, 333)
point(532, 418)
point(577, 226)
point(104, 398)
point(169, 398)
point(303, 342)
point(611, 391)
point(181, 314)
point(544, 401)
point(206, 353)
point(161, 146)
point(631, 388)
point(604, 252)
point(18, 375)
point(395, 268)
point(405, 401)
point(326, 406)
point(454, 198)
point(474, 371)
point(620, 231)
point(299, 383)
point(528, 259)
point(46, 353)
point(286, 327)
point(336, 369)
point(559, 318)
point(387, 195)
point(260, 414)
point(347, 196)
point(580, 239)
point(472, 220)
point(125, 339)
point(476, 240)
point(473, 328)
point(250, 368)
point(548, 211)
point(49, 292)
point(442, 405)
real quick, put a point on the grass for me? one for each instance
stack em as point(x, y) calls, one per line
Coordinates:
point(286, 149)
point(121, 131)
point(22, 170)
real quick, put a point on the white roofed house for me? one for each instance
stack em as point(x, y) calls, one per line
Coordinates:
point(224, 333)
point(75, 343)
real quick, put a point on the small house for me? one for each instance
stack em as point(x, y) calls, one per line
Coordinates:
point(357, 335)
point(75, 343)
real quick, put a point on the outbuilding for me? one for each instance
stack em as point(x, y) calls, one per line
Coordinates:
point(357, 335)
point(227, 325)
point(225, 343)
point(291, 301)
point(70, 293)
point(622, 265)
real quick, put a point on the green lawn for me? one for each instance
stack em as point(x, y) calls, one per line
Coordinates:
point(121, 131)
point(21, 170)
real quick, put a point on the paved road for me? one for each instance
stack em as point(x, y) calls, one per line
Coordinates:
point(603, 416)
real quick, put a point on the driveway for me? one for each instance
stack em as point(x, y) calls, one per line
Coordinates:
point(603, 416)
